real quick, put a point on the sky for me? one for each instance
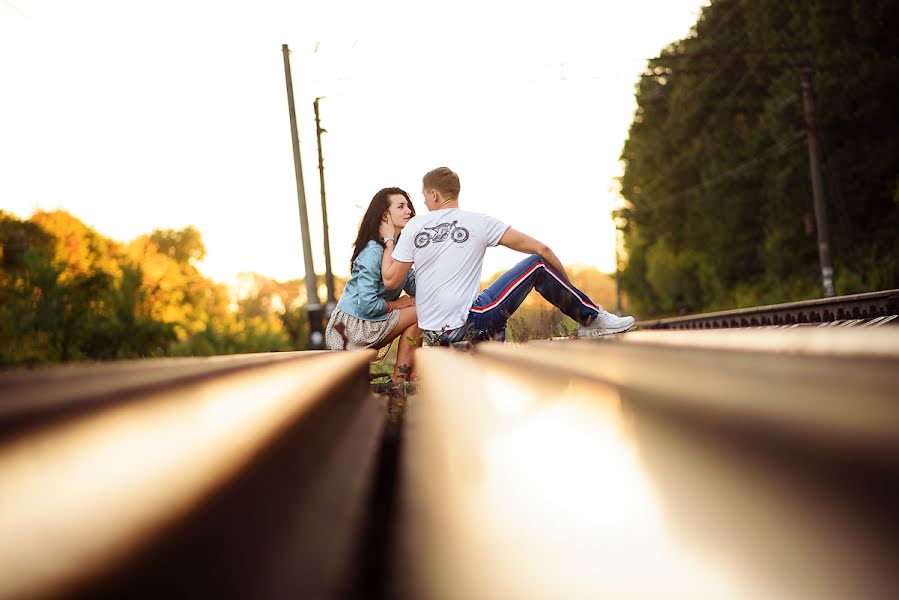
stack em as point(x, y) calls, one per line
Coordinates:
point(141, 115)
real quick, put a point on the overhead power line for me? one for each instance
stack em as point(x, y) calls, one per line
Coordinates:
point(769, 154)
point(730, 53)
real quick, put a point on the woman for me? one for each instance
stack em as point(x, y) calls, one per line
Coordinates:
point(369, 315)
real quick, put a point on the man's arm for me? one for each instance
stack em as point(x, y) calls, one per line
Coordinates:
point(393, 272)
point(524, 243)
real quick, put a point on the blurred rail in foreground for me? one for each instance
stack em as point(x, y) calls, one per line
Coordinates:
point(858, 310)
point(231, 477)
point(750, 464)
point(758, 463)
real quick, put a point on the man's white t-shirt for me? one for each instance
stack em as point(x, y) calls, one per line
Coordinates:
point(447, 248)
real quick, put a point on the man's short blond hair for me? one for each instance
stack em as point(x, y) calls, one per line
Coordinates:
point(444, 180)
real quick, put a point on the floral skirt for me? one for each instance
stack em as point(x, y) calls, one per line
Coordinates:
point(346, 332)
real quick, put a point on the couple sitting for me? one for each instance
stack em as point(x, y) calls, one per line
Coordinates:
point(447, 247)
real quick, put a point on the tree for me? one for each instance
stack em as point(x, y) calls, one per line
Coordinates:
point(719, 211)
point(68, 293)
point(184, 246)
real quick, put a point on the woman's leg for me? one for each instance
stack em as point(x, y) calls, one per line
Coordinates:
point(406, 326)
point(405, 353)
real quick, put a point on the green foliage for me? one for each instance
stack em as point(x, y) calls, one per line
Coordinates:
point(67, 293)
point(719, 205)
point(124, 330)
point(183, 246)
point(46, 314)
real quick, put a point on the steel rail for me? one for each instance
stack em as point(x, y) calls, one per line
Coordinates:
point(869, 309)
point(651, 470)
point(62, 390)
point(239, 477)
point(856, 343)
point(834, 384)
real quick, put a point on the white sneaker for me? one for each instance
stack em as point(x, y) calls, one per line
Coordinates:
point(606, 323)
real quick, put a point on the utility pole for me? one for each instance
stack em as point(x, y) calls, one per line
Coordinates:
point(617, 278)
point(329, 276)
point(316, 333)
point(616, 218)
point(814, 159)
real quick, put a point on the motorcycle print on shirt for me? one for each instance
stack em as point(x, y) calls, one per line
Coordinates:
point(439, 234)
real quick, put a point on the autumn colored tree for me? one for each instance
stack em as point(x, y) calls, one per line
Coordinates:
point(68, 293)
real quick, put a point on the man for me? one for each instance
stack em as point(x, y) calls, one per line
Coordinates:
point(447, 246)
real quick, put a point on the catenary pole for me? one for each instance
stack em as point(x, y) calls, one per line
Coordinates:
point(313, 306)
point(814, 159)
point(329, 275)
point(617, 218)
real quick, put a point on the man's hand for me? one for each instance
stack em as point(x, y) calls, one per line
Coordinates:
point(401, 302)
point(385, 229)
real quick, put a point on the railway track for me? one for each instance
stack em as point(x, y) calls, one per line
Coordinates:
point(872, 309)
point(757, 463)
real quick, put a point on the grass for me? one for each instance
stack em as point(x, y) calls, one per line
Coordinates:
point(538, 321)
point(383, 370)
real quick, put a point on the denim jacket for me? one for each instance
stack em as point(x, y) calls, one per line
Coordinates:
point(365, 296)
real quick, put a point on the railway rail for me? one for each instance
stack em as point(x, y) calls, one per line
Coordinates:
point(872, 309)
point(755, 463)
point(654, 465)
point(187, 478)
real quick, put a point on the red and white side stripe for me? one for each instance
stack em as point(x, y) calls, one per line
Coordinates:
point(517, 282)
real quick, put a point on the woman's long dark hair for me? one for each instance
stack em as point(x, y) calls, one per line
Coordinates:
point(371, 222)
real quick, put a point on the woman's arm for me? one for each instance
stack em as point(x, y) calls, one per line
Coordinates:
point(368, 281)
point(393, 272)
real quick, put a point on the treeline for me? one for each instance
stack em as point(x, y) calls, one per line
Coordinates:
point(68, 293)
point(719, 211)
